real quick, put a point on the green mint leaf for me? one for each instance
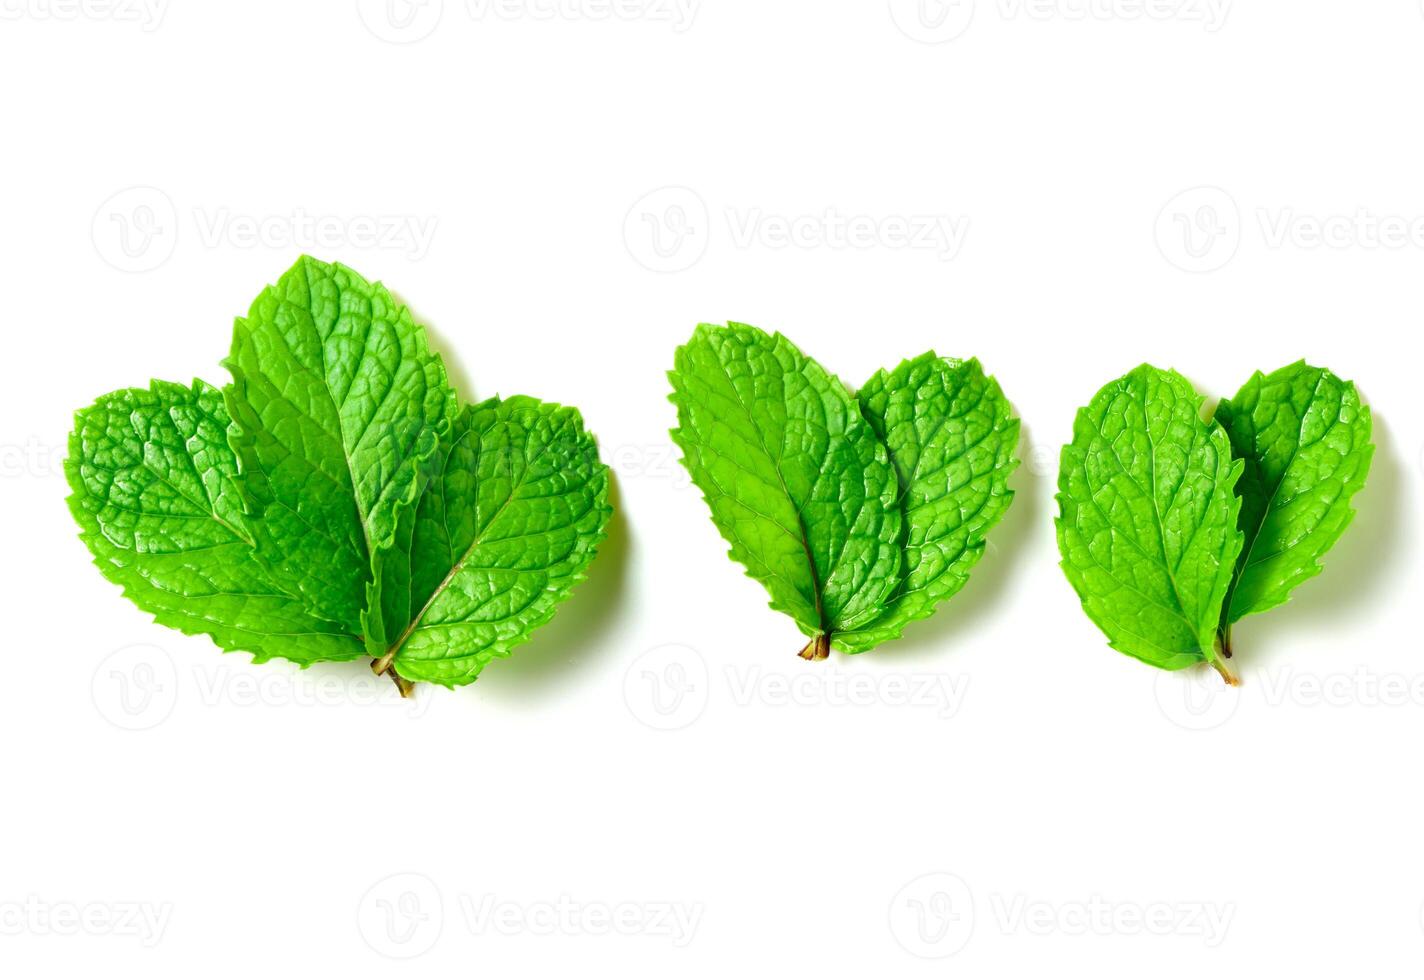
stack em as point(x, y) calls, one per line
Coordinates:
point(338, 403)
point(1304, 438)
point(951, 436)
point(1148, 518)
point(516, 505)
point(153, 487)
point(798, 484)
point(334, 500)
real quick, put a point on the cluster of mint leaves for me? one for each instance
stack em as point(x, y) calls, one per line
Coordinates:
point(1173, 527)
point(336, 500)
point(857, 512)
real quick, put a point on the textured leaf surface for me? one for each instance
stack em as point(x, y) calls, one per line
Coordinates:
point(1147, 524)
point(951, 436)
point(338, 403)
point(798, 484)
point(515, 508)
point(1304, 438)
point(153, 491)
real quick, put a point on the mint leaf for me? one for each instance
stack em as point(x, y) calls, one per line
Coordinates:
point(1148, 518)
point(856, 514)
point(334, 499)
point(154, 494)
point(516, 505)
point(1304, 438)
point(797, 482)
point(337, 404)
point(951, 436)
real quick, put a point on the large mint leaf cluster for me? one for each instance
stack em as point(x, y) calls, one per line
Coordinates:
point(335, 500)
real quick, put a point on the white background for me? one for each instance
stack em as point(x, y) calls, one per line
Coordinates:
point(1140, 181)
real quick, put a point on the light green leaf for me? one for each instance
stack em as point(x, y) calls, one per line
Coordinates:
point(798, 484)
point(951, 436)
point(1304, 438)
point(338, 404)
point(1147, 525)
point(153, 491)
point(515, 508)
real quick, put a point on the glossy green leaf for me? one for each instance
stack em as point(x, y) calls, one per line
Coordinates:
point(1148, 518)
point(334, 500)
point(1304, 439)
point(338, 403)
point(516, 506)
point(153, 487)
point(951, 436)
point(798, 484)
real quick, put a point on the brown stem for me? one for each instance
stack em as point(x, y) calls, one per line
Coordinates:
point(404, 686)
point(817, 649)
point(383, 666)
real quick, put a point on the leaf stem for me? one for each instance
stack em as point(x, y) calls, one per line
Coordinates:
point(818, 649)
point(383, 666)
point(1223, 653)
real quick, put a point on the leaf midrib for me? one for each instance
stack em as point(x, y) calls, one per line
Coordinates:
point(475, 541)
point(803, 535)
point(1245, 562)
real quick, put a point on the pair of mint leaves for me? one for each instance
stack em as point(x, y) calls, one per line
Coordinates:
point(336, 500)
point(857, 512)
point(1172, 527)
